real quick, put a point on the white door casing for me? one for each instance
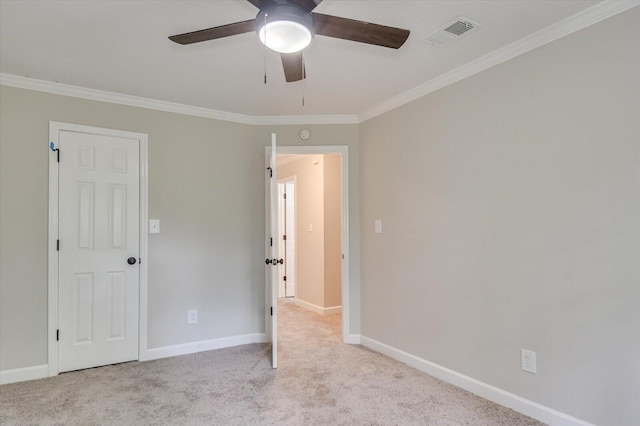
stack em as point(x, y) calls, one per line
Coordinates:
point(282, 229)
point(286, 229)
point(98, 192)
point(290, 243)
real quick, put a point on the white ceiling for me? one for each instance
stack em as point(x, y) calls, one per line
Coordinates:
point(122, 47)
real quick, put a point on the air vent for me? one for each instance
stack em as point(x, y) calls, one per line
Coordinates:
point(451, 32)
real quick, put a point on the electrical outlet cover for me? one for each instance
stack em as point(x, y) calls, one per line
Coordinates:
point(192, 316)
point(528, 360)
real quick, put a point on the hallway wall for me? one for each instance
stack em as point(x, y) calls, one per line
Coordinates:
point(318, 228)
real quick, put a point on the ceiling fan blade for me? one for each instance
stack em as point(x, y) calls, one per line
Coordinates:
point(363, 32)
point(261, 3)
point(293, 66)
point(307, 5)
point(215, 32)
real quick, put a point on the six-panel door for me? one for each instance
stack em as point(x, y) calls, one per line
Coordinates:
point(99, 232)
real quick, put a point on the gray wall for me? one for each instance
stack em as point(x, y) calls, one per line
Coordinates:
point(511, 215)
point(206, 185)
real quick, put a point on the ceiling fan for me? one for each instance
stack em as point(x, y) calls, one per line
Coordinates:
point(287, 26)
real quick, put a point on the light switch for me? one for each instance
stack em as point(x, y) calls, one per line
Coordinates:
point(154, 226)
point(310, 228)
point(378, 226)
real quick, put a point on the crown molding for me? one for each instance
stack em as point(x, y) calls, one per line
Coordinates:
point(137, 101)
point(580, 20)
point(587, 17)
point(262, 120)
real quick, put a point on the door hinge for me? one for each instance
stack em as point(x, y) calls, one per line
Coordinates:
point(284, 278)
point(57, 245)
point(284, 237)
point(285, 195)
point(270, 171)
point(272, 311)
point(271, 242)
point(57, 335)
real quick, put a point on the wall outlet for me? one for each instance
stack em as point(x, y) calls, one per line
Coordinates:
point(528, 360)
point(192, 316)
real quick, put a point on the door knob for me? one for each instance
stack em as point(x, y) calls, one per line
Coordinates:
point(131, 261)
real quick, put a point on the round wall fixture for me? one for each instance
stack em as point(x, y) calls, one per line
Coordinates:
point(304, 134)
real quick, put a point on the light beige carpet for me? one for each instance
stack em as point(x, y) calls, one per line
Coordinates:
point(320, 381)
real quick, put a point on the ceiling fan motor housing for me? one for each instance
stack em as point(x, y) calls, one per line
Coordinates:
point(291, 16)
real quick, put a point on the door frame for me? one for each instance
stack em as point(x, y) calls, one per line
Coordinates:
point(55, 128)
point(290, 179)
point(343, 151)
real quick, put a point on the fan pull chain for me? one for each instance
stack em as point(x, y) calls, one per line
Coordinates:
point(265, 48)
point(304, 78)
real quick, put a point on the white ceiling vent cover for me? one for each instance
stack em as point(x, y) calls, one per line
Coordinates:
point(455, 30)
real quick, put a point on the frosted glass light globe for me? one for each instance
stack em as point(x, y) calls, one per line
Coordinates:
point(285, 36)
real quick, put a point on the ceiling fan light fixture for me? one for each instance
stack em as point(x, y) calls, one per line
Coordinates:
point(285, 28)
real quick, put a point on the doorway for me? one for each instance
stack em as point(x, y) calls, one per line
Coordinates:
point(97, 240)
point(342, 226)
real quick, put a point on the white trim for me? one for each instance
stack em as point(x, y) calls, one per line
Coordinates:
point(281, 283)
point(580, 20)
point(203, 345)
point(259, 120)
point(42, 371)
point(309, 306)
point(331, 310)
point(144, 244)
point(319, 309)
point(52, 259)
point(54, 131)
point(527, 407)
point(24, 374)
point(546, 35)
point(137, 101)
point(352, 339)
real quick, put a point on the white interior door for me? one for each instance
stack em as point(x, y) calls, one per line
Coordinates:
point(99, 243)
point(274, 251)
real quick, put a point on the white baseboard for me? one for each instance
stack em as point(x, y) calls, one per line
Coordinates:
point(352, 339)
point(42, 371)
point(24, 374)
point(332, 310)
point(319, 309)
point(529, 408)
point(203, 345)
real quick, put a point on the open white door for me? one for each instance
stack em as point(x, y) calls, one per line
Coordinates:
point(273, 252)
